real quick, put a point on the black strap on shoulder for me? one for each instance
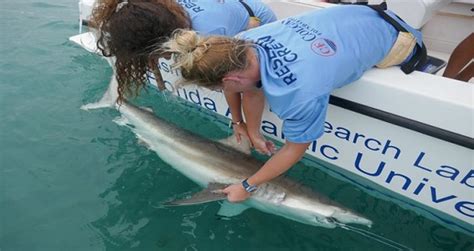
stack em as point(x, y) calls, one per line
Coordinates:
point(247, 7)
point(420, 56)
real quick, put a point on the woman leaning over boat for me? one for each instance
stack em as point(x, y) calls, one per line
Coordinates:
point(297, 62)
point(128, 31)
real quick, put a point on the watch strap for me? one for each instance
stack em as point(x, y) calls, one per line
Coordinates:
point(249, 188)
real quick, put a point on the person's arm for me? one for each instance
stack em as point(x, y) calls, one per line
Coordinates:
point(283, 160)
point(235, 106)
point(304, 122)
point(253, 103)
point(253, 23)
point(153, 65)
point(234, 101)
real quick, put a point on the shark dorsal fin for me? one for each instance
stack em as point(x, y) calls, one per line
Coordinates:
point(244, 146)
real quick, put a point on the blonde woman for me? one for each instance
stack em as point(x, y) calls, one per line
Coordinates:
point(297, 62)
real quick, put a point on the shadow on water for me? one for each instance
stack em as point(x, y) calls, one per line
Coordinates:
point(135, 217)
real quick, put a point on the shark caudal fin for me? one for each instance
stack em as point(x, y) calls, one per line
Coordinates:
point(109, 98)
point(213, 192)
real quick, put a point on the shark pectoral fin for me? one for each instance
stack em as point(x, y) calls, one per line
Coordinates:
point(211, 193)
point(231, 209)
point(244, 146)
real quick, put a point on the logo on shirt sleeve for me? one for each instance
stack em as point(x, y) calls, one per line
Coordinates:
point(191, 5)
point(324, 47)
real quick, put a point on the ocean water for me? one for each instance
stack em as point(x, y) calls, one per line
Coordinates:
point(74, 180)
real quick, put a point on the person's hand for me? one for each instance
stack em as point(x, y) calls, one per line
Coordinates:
point(236, 193)
point(240, 131)
point(261, 145)
point(253, 22)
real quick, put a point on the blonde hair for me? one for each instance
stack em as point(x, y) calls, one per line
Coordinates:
point(205, 60)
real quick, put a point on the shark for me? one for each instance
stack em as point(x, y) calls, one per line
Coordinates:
point(215, 164)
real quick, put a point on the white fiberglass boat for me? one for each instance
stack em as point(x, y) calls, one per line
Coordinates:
point(407, 138)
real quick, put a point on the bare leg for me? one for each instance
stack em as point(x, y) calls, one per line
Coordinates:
point(467, 73)
point(461, 56)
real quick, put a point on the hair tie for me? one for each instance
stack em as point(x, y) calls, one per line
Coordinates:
point(204, 46)
point(120, 5)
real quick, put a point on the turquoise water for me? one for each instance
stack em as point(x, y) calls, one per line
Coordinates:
point(74, 180)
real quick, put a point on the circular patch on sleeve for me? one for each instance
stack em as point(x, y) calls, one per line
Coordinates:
point(324, 47)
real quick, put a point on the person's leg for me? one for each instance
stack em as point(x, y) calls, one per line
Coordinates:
point(467, 73)
point(461, 56)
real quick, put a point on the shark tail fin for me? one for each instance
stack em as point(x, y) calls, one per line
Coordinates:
point(213, 192)
point(109, 99)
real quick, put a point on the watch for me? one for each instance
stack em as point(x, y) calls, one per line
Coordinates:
point(249, 188)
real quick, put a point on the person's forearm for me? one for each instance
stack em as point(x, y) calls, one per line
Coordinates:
point(288, 155)
point(253, 103)
point(153, 65)
point(234, 101)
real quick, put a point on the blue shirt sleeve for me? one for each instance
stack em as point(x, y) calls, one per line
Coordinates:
point(209, 30)
point(262, 11)
point(305, 122)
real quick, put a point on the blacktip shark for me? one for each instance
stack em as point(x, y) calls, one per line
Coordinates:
point(214, 165)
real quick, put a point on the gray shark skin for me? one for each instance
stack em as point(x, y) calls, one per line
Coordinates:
point(205, 161)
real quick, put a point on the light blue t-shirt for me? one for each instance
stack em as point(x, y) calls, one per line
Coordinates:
point(224, 17)
point(304, 58)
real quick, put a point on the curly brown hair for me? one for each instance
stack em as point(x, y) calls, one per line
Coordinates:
point(131, 32)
